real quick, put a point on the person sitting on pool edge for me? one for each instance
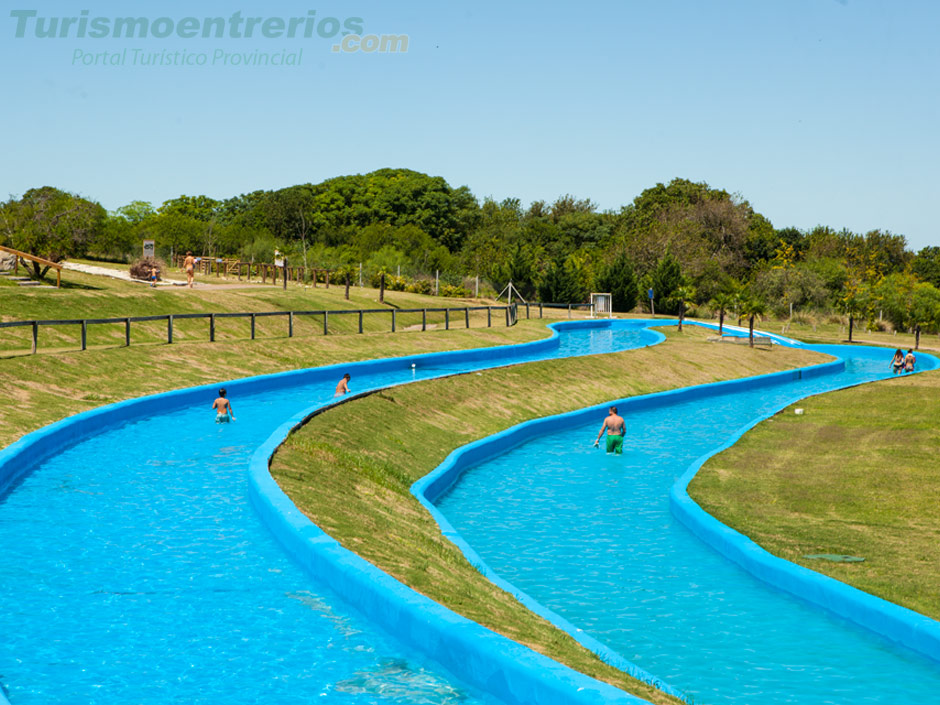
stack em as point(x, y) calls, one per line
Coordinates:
point(223, 408)
point(343, 386)
point(615, 427)
point(897, 362)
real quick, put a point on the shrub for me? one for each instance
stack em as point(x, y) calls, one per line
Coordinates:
point(419, 286)
point(141, 268)
point(457, 292)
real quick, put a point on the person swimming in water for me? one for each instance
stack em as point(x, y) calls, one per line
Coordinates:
point(909, 361)
point(343, 386)
point(615, 427)
point(223, 408)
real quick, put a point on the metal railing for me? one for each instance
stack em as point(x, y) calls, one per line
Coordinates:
point(509, 313)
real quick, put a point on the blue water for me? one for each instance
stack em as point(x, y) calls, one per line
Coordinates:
point(591, 537)
point(135, 571)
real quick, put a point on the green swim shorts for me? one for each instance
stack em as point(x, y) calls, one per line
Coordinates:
point(614, 444)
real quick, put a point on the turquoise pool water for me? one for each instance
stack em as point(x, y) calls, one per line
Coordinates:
point(134, 569)
point(591, 537)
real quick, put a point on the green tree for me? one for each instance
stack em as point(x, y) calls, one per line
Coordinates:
point(752, 307)
point(561, 284)
point(664, 280)
point(50, 224)
point(722, 302)
point(926, 265)
point(619, 278)
point(683, 295)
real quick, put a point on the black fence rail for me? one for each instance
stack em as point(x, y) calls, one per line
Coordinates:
point(452, 317)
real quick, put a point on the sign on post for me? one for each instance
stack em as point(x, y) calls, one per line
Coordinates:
point(150, 248)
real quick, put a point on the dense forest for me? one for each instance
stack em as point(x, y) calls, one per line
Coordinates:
point(694, 245)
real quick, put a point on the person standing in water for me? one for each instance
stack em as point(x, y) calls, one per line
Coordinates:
point(615, 427)
point(897, 362)
point(909, 361)
point(223, 408)
point(343, 386)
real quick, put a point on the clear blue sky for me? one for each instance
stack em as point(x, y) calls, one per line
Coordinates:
point(816, 111)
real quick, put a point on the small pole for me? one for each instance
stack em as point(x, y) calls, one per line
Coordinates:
point(127, 332)
point(424, 319)
point(569, 310)
point(35, 336)
point(540, 309)
point(211, 327)
point(446, 319)
point(328, 279)
point(382, 288)
point(507, 316)
point(466, 316)
point(285, 274)
point(476, 293)
point(393, 320)
point(489, 316)
point(360, 275)
point(326, 316)
point(437, 282)
point(84, 333)
point(399, 271)
point(290, 324)
point(252, 326)
point(527, 310)
point(360, 321)
point(169, 329)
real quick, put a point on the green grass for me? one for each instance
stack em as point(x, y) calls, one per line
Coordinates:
point(351, 467)
point(856, 474)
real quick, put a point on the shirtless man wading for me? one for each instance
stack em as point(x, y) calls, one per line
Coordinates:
point(615, 427)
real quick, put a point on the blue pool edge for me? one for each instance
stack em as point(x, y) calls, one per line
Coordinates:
point(887, 619)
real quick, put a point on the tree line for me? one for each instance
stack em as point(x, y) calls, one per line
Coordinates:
point(692, 244)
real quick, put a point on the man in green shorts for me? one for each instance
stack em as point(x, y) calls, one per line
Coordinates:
point(615, 427)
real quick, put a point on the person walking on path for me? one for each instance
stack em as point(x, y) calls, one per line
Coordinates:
point(189, 264)
point(615, 427)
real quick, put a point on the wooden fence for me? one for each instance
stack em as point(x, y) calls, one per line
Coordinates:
point(451, 316)
point(263, 271)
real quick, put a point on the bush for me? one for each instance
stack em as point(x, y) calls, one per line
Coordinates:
point(141, 268)
point(419, 286)
point(457, 292)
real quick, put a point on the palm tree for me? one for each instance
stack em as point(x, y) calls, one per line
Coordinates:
point(724, 302)
point(683, 295)
point(752, 307)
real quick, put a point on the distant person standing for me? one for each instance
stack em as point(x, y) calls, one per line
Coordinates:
point(223, 408)
point(615, 427)
point(343, 386)
point(909, 361)
point(189, 264)
point(153, 277)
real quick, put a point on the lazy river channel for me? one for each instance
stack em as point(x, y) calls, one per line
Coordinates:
point(592, 538)
point(136, 570)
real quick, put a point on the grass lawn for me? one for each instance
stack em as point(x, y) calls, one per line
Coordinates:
point(351, 467)
point(856, 474)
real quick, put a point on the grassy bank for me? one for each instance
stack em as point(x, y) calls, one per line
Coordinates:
point(40, 389)
point(856, 475)
point(350, 468)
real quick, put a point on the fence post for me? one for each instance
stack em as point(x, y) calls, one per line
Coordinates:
point(424, 319)
point(264, 274)
point(84, 333)
point(169, 329)
point(466, 316)
point(35, 336)
point(211, 327)
point(290, 324)
point(527, 310)
point(507, 316)
point(540, 309)
point(328, 279)
point(252, 326)
point(446, 319)
point(569, 310)
point(489, 316)
point(393, 320)
point(127, 332)
point(326, 316)
point(360, 321)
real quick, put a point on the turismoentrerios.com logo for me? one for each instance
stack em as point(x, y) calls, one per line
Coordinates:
point(349, 31)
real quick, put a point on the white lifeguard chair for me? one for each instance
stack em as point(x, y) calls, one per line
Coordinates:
point(601, 304)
